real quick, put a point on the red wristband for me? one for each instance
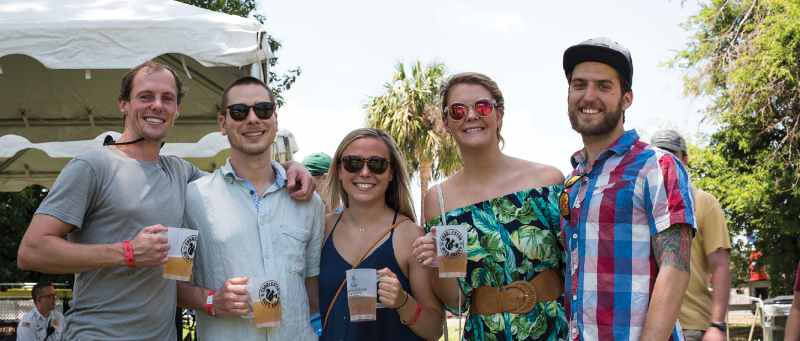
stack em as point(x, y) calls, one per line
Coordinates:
point(126, 245)
point(416, 317)
point(210, 304)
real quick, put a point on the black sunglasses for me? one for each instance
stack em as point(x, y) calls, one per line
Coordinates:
point(563, 198)
point(263, 110)
point(354, 164)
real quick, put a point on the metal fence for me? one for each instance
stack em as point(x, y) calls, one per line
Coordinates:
point(13, 308)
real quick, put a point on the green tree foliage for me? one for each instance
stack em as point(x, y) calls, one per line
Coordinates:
point(244, 8)
point(16, 211)
point(408, 110)
point(744, 57)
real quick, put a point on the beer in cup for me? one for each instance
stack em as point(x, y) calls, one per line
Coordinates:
point(362, 294)
point(265, 297)
point(451, 250)
point(182, 243)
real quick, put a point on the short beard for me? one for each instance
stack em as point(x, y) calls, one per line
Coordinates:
point(606, 126)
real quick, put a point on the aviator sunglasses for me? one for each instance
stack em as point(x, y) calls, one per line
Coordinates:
point(263, 110)
point(563, 198)
point(458, 111)
point(354, 164)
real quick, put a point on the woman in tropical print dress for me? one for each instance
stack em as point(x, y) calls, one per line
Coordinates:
point(511, 208)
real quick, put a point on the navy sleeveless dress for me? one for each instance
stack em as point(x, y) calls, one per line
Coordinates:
point(387, 325)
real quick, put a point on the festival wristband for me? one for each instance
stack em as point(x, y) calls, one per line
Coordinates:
point(126, 246)
point(416, 317)
point(210, 304)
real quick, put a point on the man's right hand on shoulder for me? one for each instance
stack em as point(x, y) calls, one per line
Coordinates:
point(150, 247)
point(231, 298)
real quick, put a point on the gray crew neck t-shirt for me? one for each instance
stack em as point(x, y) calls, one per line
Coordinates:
point(109, 198)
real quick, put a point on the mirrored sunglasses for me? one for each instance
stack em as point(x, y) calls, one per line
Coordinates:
point(563, 198)
point(354, 164)
point(263, 110)
point(483, 107)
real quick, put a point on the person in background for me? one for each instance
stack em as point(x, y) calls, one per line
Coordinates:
point(793, 322)
point(702, 314)
point(42, 322)
point(318, 164)
point(511, 207)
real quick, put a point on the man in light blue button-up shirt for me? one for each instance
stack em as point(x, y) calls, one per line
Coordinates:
point(250, 227)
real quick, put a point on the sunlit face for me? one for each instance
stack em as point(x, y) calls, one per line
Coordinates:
point(595, 100)
point(365, 186)
point(253, 136)
point(153, 106)
point(473, 131)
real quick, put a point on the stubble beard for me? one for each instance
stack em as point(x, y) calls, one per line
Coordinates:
point(604, 127)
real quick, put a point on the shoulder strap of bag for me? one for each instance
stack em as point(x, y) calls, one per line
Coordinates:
point(356, 265)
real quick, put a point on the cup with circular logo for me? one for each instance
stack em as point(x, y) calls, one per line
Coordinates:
point(182, 244)
point(362, 294)
point(264, 294)
point(451, 250)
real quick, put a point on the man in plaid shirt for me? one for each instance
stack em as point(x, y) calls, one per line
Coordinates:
point(628, 210)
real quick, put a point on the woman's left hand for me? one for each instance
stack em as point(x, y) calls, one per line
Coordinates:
point(390, 292)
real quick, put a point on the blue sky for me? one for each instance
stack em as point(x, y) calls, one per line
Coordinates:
point(347, 50)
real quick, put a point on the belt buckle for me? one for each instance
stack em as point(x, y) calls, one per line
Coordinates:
point(530, 296)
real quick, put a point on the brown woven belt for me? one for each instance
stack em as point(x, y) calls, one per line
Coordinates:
point(546, 286)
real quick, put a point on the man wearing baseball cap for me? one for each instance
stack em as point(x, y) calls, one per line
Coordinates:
point(702, 314)
point(627, 210)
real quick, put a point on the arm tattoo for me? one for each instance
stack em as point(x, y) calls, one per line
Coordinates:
point(673, 246)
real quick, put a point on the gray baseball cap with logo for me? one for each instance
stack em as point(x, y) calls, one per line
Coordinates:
point(601, 50)
point(669, 139)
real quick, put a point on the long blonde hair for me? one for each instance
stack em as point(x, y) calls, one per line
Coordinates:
point(397, 196)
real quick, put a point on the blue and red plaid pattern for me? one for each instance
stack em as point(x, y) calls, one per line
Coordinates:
point(633, 192)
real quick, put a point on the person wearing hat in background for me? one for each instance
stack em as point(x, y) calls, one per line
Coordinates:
point(318, 165)
point(627, 210)
point(42, 322)
point(702, 314)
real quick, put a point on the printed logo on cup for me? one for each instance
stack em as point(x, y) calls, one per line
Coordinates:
point(269, 294)
point(188, 248)
point(353, 281)
point(452, 244)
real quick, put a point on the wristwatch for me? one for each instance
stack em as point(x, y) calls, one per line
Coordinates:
point(720, 325)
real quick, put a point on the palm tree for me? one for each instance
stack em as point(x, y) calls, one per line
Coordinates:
point(408, 110)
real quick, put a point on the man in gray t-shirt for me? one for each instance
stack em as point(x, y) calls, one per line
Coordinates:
point(113, 202)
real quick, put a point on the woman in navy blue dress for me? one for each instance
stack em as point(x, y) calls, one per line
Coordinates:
point(369, 179)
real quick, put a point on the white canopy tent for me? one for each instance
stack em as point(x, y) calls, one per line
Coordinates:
point(24, 163)
point(62, 62)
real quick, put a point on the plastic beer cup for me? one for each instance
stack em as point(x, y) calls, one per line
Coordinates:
point(265, 297)
point(362, 294)
point(182, 243)
point(451, 247)
point(435, 263)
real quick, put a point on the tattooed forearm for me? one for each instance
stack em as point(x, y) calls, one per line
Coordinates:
point(673, 246)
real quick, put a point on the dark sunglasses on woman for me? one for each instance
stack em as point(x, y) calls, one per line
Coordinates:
point(458, 111)
point(354, 164)
point(263, 110)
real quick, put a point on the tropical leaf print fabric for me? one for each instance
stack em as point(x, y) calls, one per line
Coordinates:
point(511, 238)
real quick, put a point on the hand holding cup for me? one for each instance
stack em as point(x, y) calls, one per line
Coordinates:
point(231, 298)
point(390, 292)
point(150, 247)
point(425, 249)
